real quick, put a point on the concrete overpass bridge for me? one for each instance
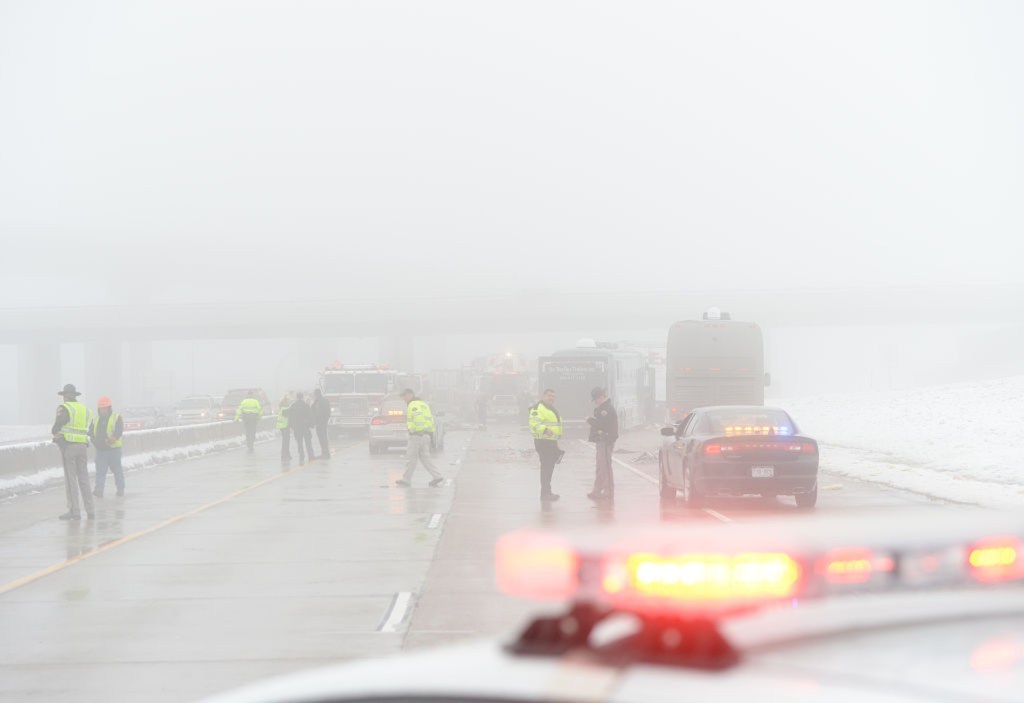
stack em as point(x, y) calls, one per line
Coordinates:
point(38, 332)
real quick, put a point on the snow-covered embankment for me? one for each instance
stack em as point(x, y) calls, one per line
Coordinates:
point(961, 442)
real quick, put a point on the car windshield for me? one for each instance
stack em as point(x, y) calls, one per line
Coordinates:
point(371, 383)
point(195, 404)
point(339, 383)
point(233, 398)
point(356, 382)
point(393, 407)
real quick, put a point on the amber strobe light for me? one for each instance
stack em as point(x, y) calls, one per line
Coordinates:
point(704, 577)
point(997, 559)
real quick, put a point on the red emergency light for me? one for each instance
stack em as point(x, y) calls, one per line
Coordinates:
point(996, 559)
point(711, 575)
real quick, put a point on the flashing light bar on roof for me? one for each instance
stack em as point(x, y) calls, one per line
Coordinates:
point(703, 577)
point(996, 559)
point(684, 573)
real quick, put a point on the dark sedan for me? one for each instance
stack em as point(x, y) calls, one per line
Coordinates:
point(738, 450)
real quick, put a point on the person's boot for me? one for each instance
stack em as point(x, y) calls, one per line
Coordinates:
point(70, 516)
point(120, 493)
point(437, 482)
point(97, 494)
point(549, 497)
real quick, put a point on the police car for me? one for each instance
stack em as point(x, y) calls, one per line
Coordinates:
point(864, 608)
point(388, 428)
point(738, 450)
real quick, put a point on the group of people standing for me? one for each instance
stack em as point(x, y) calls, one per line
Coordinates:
point(74, 428)
point(297, 418)
point(546, 427)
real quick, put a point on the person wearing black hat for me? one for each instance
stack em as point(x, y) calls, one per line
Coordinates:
point(300, 419)
point(321, 413)
point(71, 433)
point(604, 430)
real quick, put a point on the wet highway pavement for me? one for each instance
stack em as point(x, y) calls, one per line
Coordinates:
point(221, 570)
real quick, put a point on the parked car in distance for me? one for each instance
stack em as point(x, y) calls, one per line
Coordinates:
point(738, 450)
point(144, 417)
point(388, 428)
point(196, 409)
point(229, 404)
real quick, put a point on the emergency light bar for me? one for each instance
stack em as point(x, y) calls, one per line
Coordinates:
point(736, 567)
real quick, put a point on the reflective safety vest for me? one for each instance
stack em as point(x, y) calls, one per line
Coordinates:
point(76, 429)
point(542, 420)
point(282, 418)
point(111, 426)
point(247, 407)
point(418, 418)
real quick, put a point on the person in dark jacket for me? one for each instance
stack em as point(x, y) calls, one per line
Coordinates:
point(604, 430)
point(300, 419)
point(321, 416)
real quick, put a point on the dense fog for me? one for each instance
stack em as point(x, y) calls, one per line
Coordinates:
point(256, 152)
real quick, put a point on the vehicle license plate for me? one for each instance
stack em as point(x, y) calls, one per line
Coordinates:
point(762, 471)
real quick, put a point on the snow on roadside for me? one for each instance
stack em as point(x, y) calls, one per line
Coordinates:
point(44, 478)
point(960, 442)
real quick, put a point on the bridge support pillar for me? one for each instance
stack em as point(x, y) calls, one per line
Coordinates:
point(38, 382)
point(398, 352)
point(140, 390)
point(103, 366)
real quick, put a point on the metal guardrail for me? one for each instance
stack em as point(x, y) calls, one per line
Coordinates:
point(29, 457)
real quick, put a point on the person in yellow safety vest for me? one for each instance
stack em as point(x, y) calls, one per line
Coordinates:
point(105, 431)
point(546, 428)
point(286, 433)
point(420, 423)
point(71, 433)
point(250, 411)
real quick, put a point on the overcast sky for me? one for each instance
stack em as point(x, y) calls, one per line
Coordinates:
point(178, 150)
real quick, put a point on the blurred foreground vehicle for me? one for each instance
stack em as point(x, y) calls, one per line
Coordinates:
point(144, 417)
point(738, 450)
point(229, 403)
point(388, 428)
point(197, 409)
point(866, 608)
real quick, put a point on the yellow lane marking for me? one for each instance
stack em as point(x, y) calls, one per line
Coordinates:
point(54, 568)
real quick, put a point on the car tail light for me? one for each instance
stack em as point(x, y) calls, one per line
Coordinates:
point(377, 421)
point(717, 448)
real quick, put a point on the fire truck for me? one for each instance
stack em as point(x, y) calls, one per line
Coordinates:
point(355, 392)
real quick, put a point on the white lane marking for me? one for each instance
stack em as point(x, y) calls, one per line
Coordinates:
point(400, 605)
point(435, 521)
point(713, 513)
point(620, 462)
